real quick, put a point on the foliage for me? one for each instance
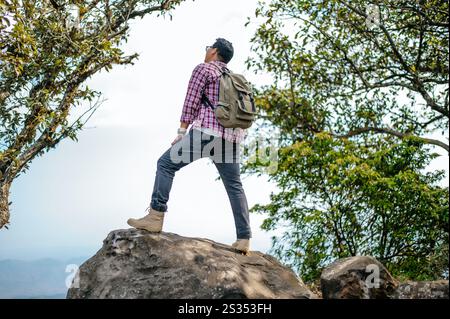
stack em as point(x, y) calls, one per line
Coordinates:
point(355, 100)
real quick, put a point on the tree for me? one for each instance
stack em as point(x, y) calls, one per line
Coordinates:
point(338, 199)
point(359, 87)
point(48, 49)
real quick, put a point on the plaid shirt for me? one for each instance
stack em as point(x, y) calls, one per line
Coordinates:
point(205, 76)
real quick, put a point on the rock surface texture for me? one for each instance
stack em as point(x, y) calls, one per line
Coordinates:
point(364, 277)
point(359, 277)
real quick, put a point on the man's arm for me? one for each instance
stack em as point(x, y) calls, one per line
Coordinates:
point(197, 84)
point(184, 124)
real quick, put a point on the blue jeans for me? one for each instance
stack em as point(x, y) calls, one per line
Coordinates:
point(225, 156)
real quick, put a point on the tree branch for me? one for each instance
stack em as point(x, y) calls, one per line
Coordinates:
point(417, 84)
point(393, 132)
point(163, 6)
point(64, 106)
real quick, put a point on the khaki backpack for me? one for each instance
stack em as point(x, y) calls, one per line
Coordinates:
point(236, 106)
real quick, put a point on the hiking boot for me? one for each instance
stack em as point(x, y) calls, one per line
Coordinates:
point(242, 245)
point(152, 222)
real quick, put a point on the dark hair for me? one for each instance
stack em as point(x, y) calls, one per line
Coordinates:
point(225, 49)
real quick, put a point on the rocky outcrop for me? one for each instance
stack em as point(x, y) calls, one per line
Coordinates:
point(138, 264)
point(364, 277)
point(360, 277)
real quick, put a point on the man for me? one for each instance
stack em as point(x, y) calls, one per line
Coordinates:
point(206, 135)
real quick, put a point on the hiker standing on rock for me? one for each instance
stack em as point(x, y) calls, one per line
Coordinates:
point(206, 138)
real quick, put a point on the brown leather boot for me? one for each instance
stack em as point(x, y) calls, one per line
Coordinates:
point(152, 222)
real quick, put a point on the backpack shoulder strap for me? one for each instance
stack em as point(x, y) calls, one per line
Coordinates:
point(205, 99)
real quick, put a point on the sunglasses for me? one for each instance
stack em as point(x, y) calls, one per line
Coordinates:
point(208, 47)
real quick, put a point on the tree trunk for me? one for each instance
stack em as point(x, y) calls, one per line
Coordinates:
point(4, 205)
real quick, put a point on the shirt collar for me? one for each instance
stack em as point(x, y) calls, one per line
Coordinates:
point(219, 63)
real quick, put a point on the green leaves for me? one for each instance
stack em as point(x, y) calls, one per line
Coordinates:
point(339, 199)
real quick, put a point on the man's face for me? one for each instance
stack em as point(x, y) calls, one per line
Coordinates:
point(211, 54)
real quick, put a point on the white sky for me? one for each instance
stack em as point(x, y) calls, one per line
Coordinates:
point(73, 196)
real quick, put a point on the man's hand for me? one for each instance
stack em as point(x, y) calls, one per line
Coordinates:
point(179, 137)
point(181, 132)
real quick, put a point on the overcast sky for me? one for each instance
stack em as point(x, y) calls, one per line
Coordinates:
point(73, 196)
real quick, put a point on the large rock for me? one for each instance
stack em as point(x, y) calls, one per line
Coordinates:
point(423, 290)
point(359, 277)
point(138, 264)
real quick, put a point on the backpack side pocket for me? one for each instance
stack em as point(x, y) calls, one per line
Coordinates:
point(222, 113)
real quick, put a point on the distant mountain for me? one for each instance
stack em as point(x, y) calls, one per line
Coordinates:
point(42, 278)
